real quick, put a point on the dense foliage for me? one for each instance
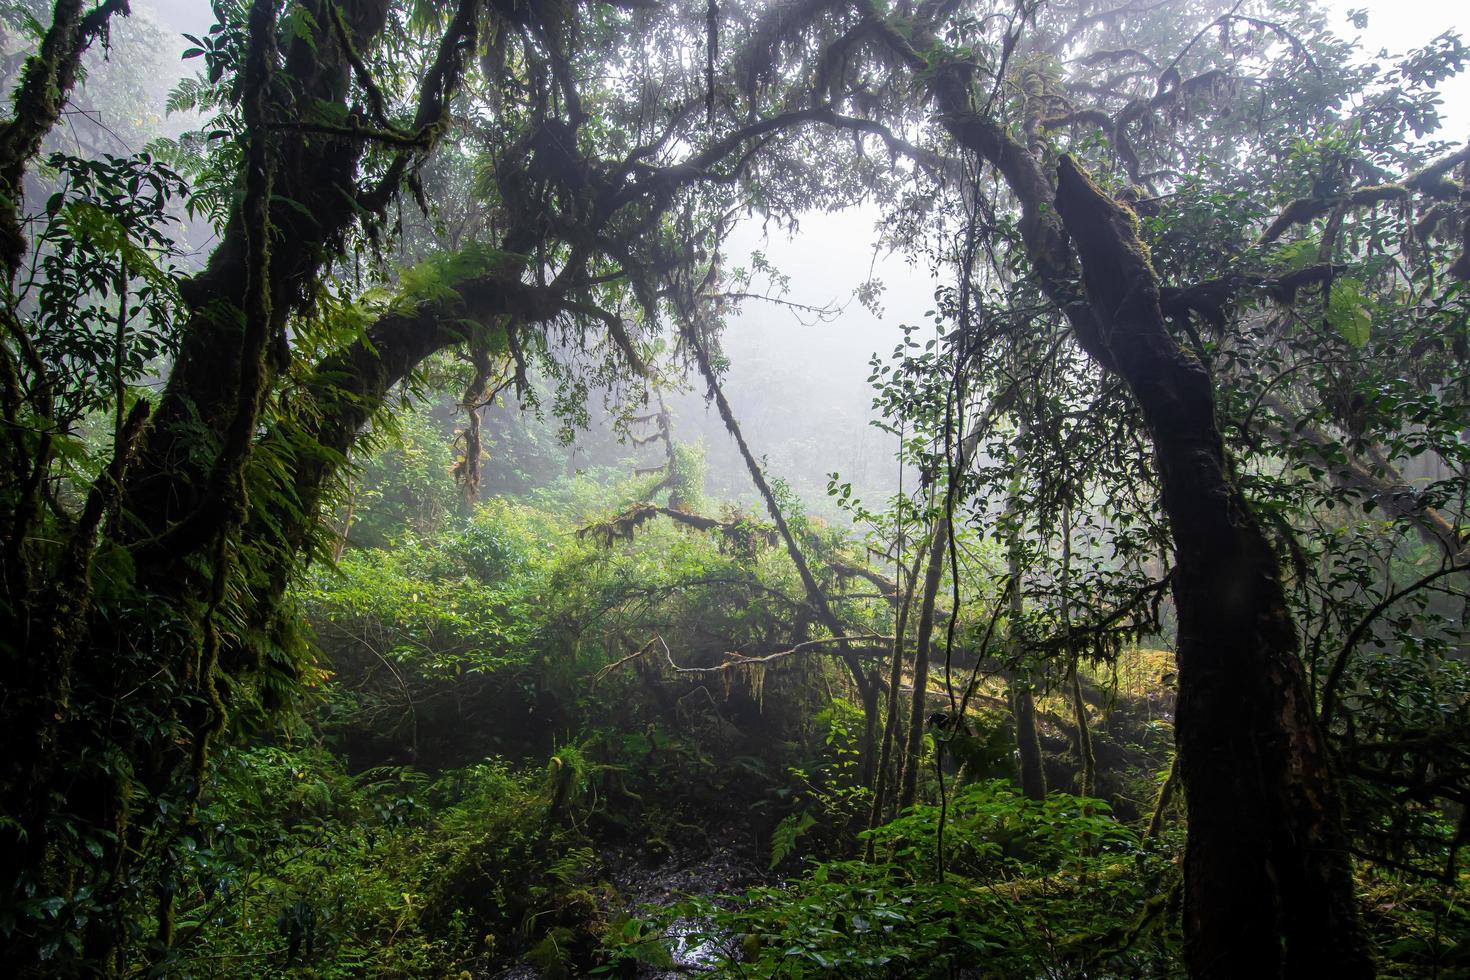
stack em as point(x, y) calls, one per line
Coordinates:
point(365, 612)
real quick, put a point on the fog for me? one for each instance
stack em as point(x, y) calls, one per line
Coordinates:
point(374, 609)
point(790, 380)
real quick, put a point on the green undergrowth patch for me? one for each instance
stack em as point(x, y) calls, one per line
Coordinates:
point(1420, 925)
point(1054, 887)
point(302, 870)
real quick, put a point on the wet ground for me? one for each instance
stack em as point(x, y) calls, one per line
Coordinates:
point(724, 862)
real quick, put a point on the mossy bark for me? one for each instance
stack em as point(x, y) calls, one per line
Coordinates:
point(1268, 879)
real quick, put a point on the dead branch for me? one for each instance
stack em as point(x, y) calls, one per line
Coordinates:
point(743, 661)
point(625, 524)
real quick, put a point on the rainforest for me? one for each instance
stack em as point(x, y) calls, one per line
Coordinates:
point(735, 488)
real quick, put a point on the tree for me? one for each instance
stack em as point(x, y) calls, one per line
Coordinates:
point(159, 617)
point(1268, 877)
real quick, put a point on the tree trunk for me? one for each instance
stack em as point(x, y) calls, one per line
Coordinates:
point(1268, 880)
point(814, 592)
point(1087, 781)
point(1020, 686)
point(1028, 745)
point(914, 737)
point(1161, 806)
point(882, 785)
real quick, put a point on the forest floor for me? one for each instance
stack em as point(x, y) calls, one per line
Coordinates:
point(724, 861)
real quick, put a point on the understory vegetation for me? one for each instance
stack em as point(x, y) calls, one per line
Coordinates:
point(485, 741)
point(366, 610)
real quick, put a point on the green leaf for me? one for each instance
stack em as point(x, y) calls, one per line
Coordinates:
point(1348, 311)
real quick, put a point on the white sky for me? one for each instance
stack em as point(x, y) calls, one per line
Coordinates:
point(1398, 25)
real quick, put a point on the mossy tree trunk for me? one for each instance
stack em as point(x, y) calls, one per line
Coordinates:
point(1268, 879)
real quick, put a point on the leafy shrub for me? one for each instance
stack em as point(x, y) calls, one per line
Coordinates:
point(1054, 887)
point(300, 870)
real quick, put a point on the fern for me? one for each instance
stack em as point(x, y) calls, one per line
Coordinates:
point(783, 839)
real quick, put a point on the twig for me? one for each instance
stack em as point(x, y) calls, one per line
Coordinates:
point(598, 677)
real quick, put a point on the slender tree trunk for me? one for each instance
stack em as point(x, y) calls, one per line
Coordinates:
point(1087, 785)
point(1029, 761)
point(814, 592)
point(1020, 686)
point(1020, 693)
point(339, 547)
point(870, 725)
point(918, 708)
point(934, 556)
point(883, 784)
point(1166, 795)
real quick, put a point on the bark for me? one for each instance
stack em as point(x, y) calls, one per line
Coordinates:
point(1019, 693)
point(1020, 683)
point(885, 777)
point(1268, 880)
point(180, 499)
point(914, 737)
point(935, 554)
point(870, 696)
point(1166, 795)
point(314, 186)
point(1088, 782)
point(1085, 754)
point(1029, 764)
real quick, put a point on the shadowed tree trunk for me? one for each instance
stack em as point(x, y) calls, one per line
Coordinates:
point(1029, 763)
point(1268, 880)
